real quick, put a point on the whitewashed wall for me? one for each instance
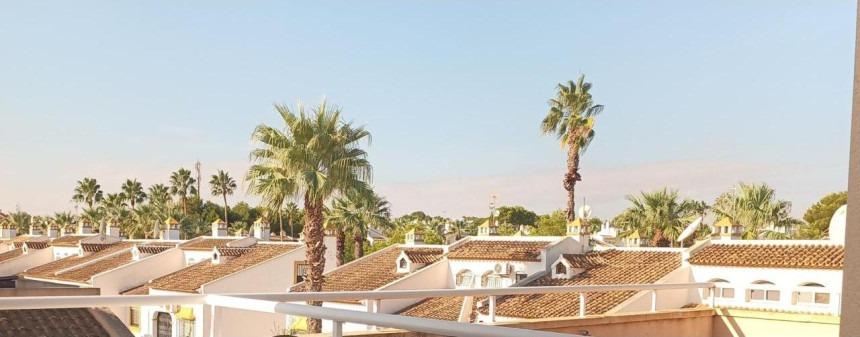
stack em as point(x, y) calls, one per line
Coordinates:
point(35, 257)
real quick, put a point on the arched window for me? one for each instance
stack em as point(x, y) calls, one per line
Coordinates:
point(485, 278)
point(464, 278)
point(721, 289)
point(762, 291)
point(163, 325)
point(811, 293)
point(560, 269)
point(402, 263)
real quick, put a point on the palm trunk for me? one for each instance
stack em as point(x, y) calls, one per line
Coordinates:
point(341, 245)
point(281, 224)
point(226, 219)
point(570, 179)
point(358, 241)
point(315, 254)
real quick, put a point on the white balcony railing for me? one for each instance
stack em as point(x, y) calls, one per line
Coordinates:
point(279, 303)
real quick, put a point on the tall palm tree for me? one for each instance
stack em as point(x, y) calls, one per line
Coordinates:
point(293, 214)
point(756, 208)
point(88, 191)
point(660, 215)
point(159, 195)
point(182, 186)
point(133, 193)
point(114, 210)
point(356, 213)
point(314, 157)
point(571, 118)
point(223, 185)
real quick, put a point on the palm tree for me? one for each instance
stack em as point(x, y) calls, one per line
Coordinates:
point(571, 118)
point(64, 220)
point(21, 220)
point(88, 191)
point(756, 208)
point(93, 215)
point(182, 185)
point(159, 195)
point(293, 214)
point(114, 210)
point(659, 215)
point(223, 185)
point(316, 156)
point(357, 213)
point(132, 191)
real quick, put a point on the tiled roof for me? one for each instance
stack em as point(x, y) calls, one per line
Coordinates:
point(95, 247)
point(142, 289)
point(84, 273)
point(68, 240)
point(233, 251)
point(370, 272)
point(584, 261)
point(192, 277)
point(205, 243)
point(499, 250)
point(154, 248)
point(771, 256)
point(423, 255)
point(609, 267)
point(442, 308)
point(11, 254)
point(50, 269)
point(76, 322)
point(37, 244)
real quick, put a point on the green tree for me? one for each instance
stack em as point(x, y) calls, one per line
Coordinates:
point(64, 220)
point(132, 192)
point(315, 156)
point(516, 216)
point(88, 192)
point(223, 185)
point(756, 208)
point(818, 216)
point(293, 215)
point(20, 220)
point(571, 118)
point(660, 215)
point(553, 224)
point(356, 213)
point(113, 209)
point(182, 186)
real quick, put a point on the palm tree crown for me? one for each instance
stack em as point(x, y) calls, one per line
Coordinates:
point(659, 215)
point(571, 118)
point(314, 157)
point(88, 191)
point(223, 185)
point(132, 192)
point(756, 208)
point(182, 186)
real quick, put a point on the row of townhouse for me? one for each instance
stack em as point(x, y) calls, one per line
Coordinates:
point(790, 276)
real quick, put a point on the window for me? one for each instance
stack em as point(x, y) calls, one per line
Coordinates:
point(134, 317)
point(520, 276)
point(721, 289)
point(163, 325)
point(402, 263)
point(300, 270)
point(464, 278)
point(763, 293)
point(560, 268)
point(811, 293)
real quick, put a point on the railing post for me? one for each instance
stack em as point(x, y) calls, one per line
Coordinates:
point(653, 300)
point(211, 320)
point(713, 297)
point(336, 329)
point(581, 304)
point(492, 309)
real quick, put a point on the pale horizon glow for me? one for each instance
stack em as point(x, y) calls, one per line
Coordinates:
point(698, 96)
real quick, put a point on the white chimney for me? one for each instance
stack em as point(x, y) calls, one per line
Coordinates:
point(8, 232)
point(262, 230)
point(114, 230)
point(219, 228)
point(171, 230)
point(414, 236)
point(85, 228)
point(53, 231)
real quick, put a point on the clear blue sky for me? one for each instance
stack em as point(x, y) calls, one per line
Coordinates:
point(698, 95)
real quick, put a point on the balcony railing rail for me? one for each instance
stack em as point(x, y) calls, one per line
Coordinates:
point(286, 303)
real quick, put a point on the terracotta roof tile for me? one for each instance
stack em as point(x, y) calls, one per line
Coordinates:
point(370, 272)
point(50, 269)
point(142, 289)
point(75, 322)
point(191, 278)
point(154, 248)
point(68, 240)
point(423, 255)
point(84, 273)
point(11, 254)
point(499, 250)
point(771, 256)
point(96, 247)
point(233, 251)
point(609, 267)
point(37, 244)
point(442, 308)
point(205, 243)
